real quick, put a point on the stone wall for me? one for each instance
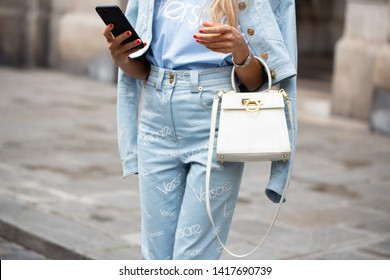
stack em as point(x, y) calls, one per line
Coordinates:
point(380, 111)
point(320, 24)
point(62, 34)
point(24, 34)
point(364, 42)
point(77, 42)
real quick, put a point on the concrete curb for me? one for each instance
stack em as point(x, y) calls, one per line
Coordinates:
point(58, 238)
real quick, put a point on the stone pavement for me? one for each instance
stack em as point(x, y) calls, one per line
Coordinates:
point(62, 195)
point(12, 251)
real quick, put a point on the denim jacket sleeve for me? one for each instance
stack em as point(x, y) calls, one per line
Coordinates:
point(284, 11)
point(128, 95)
point(262, 23)
point(140, 15)
point(284, 15)
point(270, 30)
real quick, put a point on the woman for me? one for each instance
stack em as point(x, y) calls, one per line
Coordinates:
point(190, 47)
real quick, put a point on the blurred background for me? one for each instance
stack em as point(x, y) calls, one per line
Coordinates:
point(58, 147)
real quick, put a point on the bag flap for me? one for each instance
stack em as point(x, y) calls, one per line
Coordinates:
point(264, 99)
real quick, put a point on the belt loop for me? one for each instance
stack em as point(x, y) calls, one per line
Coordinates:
point(160, 78)
point(194, 81)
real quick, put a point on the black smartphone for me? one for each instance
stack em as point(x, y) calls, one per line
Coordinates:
point(113, 14)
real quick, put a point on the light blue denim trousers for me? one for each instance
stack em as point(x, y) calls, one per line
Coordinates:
point(173, 140)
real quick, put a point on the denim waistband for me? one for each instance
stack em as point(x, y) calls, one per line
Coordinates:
point(159, 77)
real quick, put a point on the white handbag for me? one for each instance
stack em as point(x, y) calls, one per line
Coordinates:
point(252, 127)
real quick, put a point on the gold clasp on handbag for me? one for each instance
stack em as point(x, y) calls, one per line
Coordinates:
point(252, 105)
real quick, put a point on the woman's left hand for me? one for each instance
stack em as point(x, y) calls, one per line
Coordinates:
point(223, 38)
point(226, 39)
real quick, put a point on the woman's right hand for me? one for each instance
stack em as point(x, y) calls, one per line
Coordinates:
point(119, 53)
point(137, 68)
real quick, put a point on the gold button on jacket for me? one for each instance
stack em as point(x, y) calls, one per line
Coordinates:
point(242, 5)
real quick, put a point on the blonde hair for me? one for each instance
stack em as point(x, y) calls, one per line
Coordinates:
point(220, 9)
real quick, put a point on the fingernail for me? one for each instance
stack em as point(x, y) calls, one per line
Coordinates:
point(138, 41)
point(201, 31)
point(128, 33)
point(196, 37)
point(197, 41)
point(111, 25)
point(145, 44)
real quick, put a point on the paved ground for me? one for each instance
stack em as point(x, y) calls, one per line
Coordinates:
point(62, 195)
point(11, 251)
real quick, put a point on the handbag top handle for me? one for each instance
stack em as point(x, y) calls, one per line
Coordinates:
point(266, 68)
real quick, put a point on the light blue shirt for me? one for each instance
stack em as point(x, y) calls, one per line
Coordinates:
point(173, 45)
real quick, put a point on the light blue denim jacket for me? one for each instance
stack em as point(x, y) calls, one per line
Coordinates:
point(270, 30)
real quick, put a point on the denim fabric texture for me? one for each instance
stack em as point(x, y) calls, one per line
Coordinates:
point(270, 30)
point(173, 141)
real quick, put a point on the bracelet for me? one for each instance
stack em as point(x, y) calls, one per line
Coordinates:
point(246, 62)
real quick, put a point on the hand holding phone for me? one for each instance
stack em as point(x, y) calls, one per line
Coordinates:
point(113, 15)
